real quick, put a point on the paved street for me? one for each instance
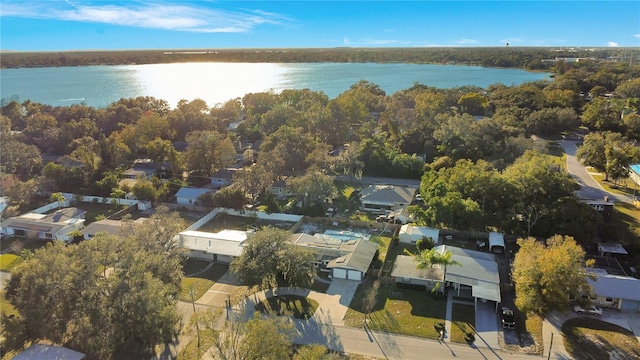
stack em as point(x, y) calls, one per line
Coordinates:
point(589, 187)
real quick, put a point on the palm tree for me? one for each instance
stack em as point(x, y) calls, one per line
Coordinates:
point(431, 257)
point(59, 198)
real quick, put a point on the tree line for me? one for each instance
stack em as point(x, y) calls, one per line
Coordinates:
point(528, 58)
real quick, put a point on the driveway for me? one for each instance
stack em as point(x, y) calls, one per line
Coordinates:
point(589, 187)
point(487, 325)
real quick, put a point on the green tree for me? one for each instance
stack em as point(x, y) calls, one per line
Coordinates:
point(105, 297)
point(269, 260)
point(313, 186)
point(207, 152)
point(546, 275)
point(432, 257)
point(258, 338)
point(254, 181)
point(58, 197)
point(145, 190)
point(19, 158)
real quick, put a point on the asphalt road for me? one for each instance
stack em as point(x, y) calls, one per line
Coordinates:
point(589, 187)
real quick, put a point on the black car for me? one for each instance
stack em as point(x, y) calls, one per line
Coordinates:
point(508, 318)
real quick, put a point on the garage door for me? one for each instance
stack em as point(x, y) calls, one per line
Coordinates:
point(340, 273)
point(354, 275)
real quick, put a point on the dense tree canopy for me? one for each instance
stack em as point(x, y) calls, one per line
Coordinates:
point(269, 260)
point(547, 274)
point(108, 297)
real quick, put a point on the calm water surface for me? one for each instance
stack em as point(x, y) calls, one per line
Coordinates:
point(215, 83)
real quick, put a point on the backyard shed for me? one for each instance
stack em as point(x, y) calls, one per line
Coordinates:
point(496, 242)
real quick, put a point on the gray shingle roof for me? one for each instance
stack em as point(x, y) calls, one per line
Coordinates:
point(387, 194)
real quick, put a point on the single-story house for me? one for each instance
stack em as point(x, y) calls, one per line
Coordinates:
point(382, 199)
point(280, 189)
point(113, 227)
point(496, 242)
point(54, 226)
point(614, 291)
point(141, 168)
point(473, 270)
point(348, 259)
point(48, 352)
point(223, 246)
point(189, 196)
point(222, 178)
point(604, 207)
point(410, 234)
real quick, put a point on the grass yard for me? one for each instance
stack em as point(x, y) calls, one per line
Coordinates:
point(225, 221)
point(586, 338)
point(95, 210)
point(8, 261)
point(191, 351)
point(202, 282)
point(399, 311)
point(463, 322)
point(296, 306)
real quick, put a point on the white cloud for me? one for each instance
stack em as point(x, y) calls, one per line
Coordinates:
point(466, 42)
point(346, 41)
point(636, 36)
point(178, 17)
point(612, 44)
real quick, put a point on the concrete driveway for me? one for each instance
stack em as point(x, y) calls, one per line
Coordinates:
point(487, 325)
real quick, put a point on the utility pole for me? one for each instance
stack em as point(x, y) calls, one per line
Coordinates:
point(550, 346)
point(193, 302)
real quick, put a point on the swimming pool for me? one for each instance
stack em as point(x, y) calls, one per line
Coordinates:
point(346, 235)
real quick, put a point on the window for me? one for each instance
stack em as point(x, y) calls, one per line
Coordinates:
point(19, 232)
point(48, 235)
point(609, 299)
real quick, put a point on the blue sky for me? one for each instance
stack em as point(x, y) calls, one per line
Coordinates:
point(108, 24)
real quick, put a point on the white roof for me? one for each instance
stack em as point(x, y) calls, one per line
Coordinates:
point(477, 269)
point(192, 193)
point(621, 287)
point(612, 248)
point(225, 242)
point(418, 232)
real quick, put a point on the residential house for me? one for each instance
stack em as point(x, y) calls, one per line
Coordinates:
point(474, 271)
point(615, 291)
point(348, 259)
point(280, 189)
point(399, 216)
point(54, 226)
point(382, 199)
point(223, 246)
point(141, 168)
point(410, 234)
point(189, 196)
point(113, 227)
point(604, 207)
point(222, 178)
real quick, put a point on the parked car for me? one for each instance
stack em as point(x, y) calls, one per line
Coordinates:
point(330, 212)
point(591, 310)
point(508, 318)
point(382, 218)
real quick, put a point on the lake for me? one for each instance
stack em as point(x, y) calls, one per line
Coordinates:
point(216, 83)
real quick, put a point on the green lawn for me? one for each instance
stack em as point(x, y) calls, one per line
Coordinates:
point(98, 209)
point(383, 246)
point(296, 306)
point(202, 282)
point(588, 338)
point(400, 311)
point(8, 261)
point(191, 351)
point(463, 322)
